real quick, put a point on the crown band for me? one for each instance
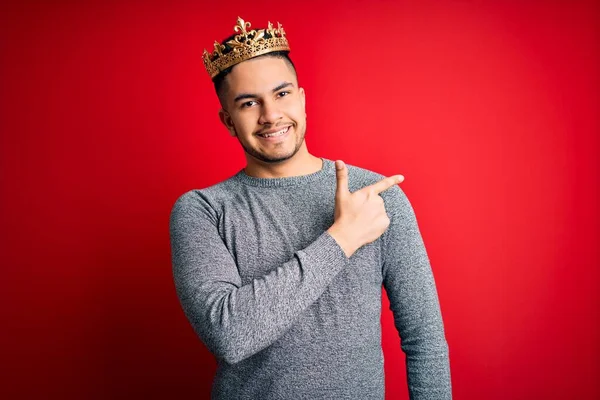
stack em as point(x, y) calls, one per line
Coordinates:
point(245, 45)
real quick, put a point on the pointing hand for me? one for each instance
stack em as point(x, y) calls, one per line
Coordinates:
point(360, 217)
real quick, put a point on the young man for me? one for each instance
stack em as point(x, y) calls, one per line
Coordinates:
point(279, 268)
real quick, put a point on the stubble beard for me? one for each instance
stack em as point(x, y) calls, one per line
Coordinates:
point(273, 159)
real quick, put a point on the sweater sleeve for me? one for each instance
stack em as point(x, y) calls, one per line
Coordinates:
point(236, 321)
point(410, 286)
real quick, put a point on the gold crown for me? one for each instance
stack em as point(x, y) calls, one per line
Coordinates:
point(245, 45)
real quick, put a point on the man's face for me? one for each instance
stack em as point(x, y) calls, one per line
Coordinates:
point(265, 109)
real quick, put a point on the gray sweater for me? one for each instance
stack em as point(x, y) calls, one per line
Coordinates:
point(285, 312)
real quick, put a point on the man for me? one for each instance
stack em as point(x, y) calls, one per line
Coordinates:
point(279, 268)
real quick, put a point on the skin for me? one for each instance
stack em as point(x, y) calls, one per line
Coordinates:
point(261, 95)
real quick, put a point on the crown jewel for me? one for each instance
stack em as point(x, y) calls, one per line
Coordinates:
point(245, 45)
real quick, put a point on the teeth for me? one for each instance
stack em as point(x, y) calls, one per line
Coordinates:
point(281, 132)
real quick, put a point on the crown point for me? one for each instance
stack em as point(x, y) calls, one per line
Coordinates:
point(218, 49)
point(241, 26)
point(280, 29)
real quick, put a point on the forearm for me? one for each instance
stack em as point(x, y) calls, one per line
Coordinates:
point(428, 376)
point(427, 358)
point(236, 321)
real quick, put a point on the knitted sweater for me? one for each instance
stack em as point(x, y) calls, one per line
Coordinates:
point(284, 311)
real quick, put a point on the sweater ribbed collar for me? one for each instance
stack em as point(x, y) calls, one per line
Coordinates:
point(327, 168)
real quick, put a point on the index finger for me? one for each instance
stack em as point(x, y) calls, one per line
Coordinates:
point(385, 183)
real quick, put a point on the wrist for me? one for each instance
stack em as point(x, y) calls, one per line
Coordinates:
point(346, 243)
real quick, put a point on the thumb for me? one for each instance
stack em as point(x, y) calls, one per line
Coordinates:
point(341, 174)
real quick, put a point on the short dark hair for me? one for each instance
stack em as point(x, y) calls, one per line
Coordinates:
point(219, 80)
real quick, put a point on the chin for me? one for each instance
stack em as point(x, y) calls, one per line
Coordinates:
point(273, 157)
point(276, 158)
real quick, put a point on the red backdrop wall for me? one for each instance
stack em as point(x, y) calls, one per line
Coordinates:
point(489, 109)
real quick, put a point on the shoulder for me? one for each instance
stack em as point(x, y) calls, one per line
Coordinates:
point(394, 198)
point(360, 177)
point(208, 201)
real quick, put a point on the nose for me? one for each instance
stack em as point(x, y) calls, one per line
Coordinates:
point(270, 113)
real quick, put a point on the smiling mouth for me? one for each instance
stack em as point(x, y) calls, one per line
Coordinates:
point(275, 134)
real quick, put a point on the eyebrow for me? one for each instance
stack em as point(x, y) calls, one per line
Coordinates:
point(243, 96)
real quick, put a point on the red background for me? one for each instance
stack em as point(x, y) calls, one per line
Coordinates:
point(489, 109)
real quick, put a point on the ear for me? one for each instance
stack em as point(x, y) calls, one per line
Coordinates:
point(227, 121)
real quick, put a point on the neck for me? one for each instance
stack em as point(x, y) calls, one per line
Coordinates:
point(302, 163)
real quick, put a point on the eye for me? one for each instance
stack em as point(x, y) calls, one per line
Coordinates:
point(248, 104)
point(282, 94)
